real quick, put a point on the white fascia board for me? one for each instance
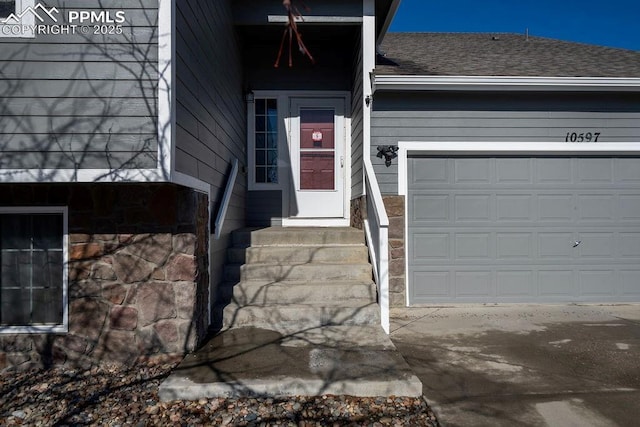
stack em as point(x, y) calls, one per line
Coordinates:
point(393, 8)
point(67, 176)
point(505, 83)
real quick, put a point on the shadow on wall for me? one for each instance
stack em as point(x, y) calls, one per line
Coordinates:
point(138, 265)
point(138, 273)
point(74, 102)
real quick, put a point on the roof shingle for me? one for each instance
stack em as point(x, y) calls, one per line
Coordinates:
point(500, 54)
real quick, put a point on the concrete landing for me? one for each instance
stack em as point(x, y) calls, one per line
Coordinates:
point(339, 360)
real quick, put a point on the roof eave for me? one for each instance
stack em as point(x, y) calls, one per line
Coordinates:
point(393, 8)
point(505, 83)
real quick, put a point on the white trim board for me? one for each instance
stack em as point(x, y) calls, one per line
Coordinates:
point(405, 148)
point(68, 176)
point(166, 92)
point(507, 83)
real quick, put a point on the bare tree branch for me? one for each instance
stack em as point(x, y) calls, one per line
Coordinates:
point(291, 31)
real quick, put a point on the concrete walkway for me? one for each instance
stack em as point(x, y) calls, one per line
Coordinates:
point(525, 365)
point(340, 360)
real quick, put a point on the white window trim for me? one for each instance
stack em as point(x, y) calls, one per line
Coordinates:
point(64, 326)
point(27, 22)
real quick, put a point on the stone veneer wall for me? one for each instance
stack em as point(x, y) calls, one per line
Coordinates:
point(358, 212)
point(138, 274)
point(394, 206)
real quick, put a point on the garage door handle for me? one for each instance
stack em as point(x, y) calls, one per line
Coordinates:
point(576, 244)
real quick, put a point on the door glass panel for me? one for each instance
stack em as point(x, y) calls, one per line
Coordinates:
point(317, 149)
point(317, 129)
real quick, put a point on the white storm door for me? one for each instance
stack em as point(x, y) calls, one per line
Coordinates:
point(317, 147)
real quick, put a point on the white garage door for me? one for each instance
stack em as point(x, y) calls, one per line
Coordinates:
point(523, 229)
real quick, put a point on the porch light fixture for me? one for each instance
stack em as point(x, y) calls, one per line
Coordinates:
point(389, 152)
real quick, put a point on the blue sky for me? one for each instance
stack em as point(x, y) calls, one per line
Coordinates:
point(614, 23)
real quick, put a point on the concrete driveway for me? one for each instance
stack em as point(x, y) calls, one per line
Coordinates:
point(542, 365)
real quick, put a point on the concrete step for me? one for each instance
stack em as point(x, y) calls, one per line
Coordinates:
point(293, 292)
point(282, 317)
point(280, 236)
point(244, 362)
point(299, 272)
point(299, 254)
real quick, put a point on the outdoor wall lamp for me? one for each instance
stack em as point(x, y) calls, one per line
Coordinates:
point(389, 152)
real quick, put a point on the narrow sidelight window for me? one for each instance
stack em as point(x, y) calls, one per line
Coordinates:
point(266, 141)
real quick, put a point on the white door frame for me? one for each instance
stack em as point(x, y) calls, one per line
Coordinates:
point(285, 183)
point(288, 187)
point(340, 161)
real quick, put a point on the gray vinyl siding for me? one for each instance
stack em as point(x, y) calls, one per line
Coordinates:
point(210, 108)
point(210, 111)
point(265, 208)
point(514, 117)
point(357, 125)
point(77, 101)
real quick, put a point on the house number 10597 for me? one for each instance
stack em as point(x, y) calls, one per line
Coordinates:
point(582, 137)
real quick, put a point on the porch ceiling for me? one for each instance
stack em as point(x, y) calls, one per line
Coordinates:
point(260, 12)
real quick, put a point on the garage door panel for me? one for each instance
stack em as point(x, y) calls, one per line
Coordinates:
point(518, 285)
point(556, 245)
point(554, 171)
point(472, 207)
point(477, 284)
point(596, 245)
point(430, 207)
point(630, 207)
point(472, 171)
point(555, 207)
point(595, 170)
point(517, 229)
point(514, 207)
point(431, 286)
point(510, 171)
point(473, 246)
point(629, 280)
point(431, 246)
point(597, 283)
point(627, 171)
point(430, 171)
point(596, 207)
point(514, 245)
point(556, 283)
point(630, 245)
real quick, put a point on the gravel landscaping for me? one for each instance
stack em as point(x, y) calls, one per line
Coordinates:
point(112, 396)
